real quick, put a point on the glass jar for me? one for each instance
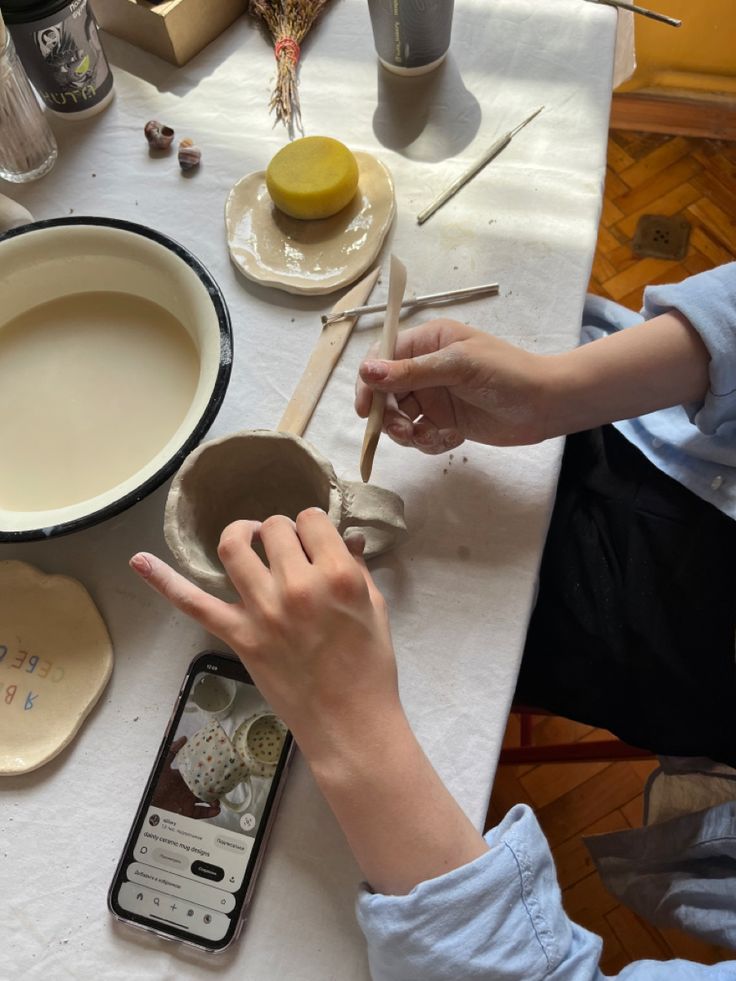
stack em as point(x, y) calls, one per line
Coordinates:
point(27, 145)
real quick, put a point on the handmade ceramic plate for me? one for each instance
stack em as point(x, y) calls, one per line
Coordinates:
point(55, 660)
point(309, 256)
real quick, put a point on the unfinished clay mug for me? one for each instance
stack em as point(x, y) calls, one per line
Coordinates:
point(255, 474)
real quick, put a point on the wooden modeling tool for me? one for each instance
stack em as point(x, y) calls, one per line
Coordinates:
point(386, 348)
point(325, 356)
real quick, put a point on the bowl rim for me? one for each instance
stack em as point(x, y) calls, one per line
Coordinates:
point(213, 403)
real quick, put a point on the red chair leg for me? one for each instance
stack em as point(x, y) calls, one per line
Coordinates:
point(591, 752)
point(579, 752)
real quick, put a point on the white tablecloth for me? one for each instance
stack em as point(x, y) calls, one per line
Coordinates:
point(461, 590)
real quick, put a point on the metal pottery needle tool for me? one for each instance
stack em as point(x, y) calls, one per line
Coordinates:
point(386, 348)
point(651, 14)
point(461, 294)
point(491, 152)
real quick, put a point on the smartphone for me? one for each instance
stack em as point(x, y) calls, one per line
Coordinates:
point(192, 857)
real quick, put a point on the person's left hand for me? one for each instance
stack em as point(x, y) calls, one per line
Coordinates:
point(311, 627)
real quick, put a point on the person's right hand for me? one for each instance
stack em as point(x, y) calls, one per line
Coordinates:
point(449, 383)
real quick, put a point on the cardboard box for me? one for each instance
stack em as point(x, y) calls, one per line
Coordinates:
point(175, 30)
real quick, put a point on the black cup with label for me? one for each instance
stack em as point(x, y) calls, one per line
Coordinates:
point(411, 36)
point(59, 48)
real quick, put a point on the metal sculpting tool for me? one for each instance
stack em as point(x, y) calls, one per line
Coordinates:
point(634, 8)
point(491, 152)
point(461, 294)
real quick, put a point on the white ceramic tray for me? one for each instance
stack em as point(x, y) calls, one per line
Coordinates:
point(312, 257)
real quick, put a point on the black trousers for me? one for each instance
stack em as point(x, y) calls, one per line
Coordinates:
point(634, 626)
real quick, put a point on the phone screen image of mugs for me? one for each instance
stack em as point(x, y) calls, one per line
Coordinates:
point(222, 757)
point(193, 847)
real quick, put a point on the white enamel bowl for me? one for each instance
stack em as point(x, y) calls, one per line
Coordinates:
point(52, 259)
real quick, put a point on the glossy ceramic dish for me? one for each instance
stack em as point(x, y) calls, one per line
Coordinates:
point(309, 257)
point(61, 258)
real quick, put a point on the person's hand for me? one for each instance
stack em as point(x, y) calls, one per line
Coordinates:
point(172, 794)
point(311, 627)
point(449, 382)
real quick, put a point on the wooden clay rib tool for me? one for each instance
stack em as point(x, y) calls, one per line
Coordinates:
point(462, 294)
point(386, 348)
point(492, 151)
point(324, 357)
point(634, 8)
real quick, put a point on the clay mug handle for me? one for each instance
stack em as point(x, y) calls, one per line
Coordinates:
point(239, 806)
point(377, 513)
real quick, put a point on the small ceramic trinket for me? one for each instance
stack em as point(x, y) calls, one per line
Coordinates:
point(158, 135)
point(55, 660)
point(190, 155)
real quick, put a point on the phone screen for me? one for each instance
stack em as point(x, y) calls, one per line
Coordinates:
point(196, 843)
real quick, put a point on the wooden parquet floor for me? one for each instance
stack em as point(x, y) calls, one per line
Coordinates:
point(663, 175)
point(647, 174)
point(576, 799)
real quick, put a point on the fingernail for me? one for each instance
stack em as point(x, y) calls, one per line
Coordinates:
point(140, 564)
point(355, 543)
point(426, 438)
point(397, 430)
point(377, 370)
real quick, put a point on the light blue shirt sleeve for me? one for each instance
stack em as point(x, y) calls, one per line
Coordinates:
point(693, 444)
point(499, 918)
point(708, 300)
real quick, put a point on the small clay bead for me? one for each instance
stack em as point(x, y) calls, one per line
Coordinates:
point(158, 135)
point(189, 155)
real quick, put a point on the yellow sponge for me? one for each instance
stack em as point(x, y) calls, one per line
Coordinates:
point(313, 177)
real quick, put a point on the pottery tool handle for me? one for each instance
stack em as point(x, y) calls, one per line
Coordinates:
point(386, 348)
point(634, 8)
point(492, 152)
point(326, 354)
